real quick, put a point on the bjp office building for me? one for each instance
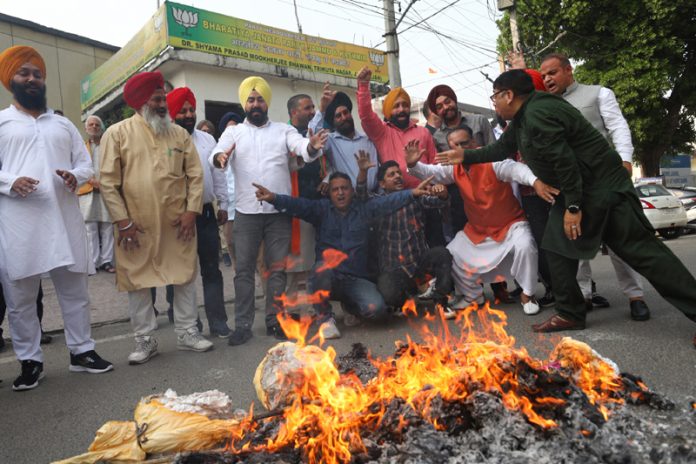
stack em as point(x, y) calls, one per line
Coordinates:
point(212, 54)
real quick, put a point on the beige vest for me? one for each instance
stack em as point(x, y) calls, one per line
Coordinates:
point(585, 98)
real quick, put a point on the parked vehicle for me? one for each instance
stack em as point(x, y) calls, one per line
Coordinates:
point(664, 210)
point(687, 195)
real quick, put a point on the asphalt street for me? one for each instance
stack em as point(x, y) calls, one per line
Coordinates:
point(59, 419)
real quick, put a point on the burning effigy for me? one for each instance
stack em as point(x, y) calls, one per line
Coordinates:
point(464, 392)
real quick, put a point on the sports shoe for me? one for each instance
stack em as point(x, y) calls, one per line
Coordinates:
point(328, 329)
point(45, 338)
point(547, 300)
point(32, 372)
point(239, 337)
point(429, 292)
point(89, 361)
point(531, 307)
point(145, 348)
point(598, 301)
point(223, 332)
point(448, 312)
point(193, 340)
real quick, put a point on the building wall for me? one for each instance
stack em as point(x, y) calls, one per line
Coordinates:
point(67, 62)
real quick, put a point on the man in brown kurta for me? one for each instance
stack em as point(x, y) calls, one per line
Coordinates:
point(152, 185)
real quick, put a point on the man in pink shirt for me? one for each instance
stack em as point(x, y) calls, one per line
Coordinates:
point(391, 136)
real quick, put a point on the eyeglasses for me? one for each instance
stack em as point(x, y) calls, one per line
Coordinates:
point(495, 94)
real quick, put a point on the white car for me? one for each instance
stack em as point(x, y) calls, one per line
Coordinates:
point(687, 196)
point(664, 210)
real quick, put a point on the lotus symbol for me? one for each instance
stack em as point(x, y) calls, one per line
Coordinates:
point(377, 58)
point(185, 18)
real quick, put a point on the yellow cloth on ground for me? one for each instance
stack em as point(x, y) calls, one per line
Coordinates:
point(254, 83)
point(151, 179)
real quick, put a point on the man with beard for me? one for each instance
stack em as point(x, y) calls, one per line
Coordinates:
point(258, 151)
point(42, 161)
point(100, 230)
point(181, 103)
point(342, 231)
point(152, 184)
point(344, 142)
point(391, 135)
point(597, 200)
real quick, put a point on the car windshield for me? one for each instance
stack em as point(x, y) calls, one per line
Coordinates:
point(652, 190)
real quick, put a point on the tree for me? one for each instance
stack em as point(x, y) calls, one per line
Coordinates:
point(644, 50)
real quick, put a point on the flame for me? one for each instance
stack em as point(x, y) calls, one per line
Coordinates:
point(328, 410)
point(332, 258)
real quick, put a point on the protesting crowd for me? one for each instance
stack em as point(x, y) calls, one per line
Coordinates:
point(436, 213)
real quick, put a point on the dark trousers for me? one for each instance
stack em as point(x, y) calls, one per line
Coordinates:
point(537, 211)
point(359, 296)
point(208, 251)
point(39, 306)
point(395, 285)
point(633, 241)
point(249, 231)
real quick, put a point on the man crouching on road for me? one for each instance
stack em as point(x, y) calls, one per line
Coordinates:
point(152, 185)
point(342, 229)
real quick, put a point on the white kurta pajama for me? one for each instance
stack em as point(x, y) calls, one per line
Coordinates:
point(488, 261)
point(43, 232)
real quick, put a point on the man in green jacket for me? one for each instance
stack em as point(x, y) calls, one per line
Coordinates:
point(597, 200)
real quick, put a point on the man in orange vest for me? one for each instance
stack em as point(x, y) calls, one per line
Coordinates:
point(496, 243)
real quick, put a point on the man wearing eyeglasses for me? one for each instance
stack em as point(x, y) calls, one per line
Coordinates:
point(597, 201)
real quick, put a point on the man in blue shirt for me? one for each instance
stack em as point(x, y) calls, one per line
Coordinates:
point(342, 227)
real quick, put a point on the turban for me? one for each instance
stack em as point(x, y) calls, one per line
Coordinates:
point(140, 88)
point(176, 99)
point(254, 83)
point(537, 80)
point(14, 57)
point(388, 103)
point(340, 99)
point(440, 91)
point(226, 118)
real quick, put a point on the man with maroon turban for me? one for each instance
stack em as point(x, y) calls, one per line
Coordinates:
point(152, 185)
point(42, 161)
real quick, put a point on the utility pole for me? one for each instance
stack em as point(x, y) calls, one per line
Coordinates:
point(512, 11)
point(392, 43)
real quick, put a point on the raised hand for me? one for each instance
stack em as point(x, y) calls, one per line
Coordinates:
point(263, 194)
point(23, 186)
point(364, 161)
point(545, 191)
point(327, 96)
point(450, 157)
point(423, 188)
point(317, 141)
point(220, 160)
point(364, 75)
point(68, 179)
point(413, 153)
point(516, 60)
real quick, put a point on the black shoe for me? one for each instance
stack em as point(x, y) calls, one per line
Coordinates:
point(89, 361)
point(598, 301)
point(516, 292)
point(547, 300)
point(639, 310)
point(240, 337)
point(45, 338)
point(277, 332)
point(223, 332)
point(2, 343)
point(32, 372)
point(170, 314)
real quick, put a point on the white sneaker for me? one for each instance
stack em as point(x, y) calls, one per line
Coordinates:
point(531, 307)
point(145, 348)
point(329, 330)
point(448, 312)
point(429, 292)
point(460, 302)
point(193, 340)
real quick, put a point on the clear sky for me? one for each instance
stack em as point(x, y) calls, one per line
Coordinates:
point(463, 42)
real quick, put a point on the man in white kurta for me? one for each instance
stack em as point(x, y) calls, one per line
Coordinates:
point(496, 244)
point(42, 160)
point(152, 184)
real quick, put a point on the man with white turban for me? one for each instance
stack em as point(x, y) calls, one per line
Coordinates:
point(42, 161)
point(258, 151)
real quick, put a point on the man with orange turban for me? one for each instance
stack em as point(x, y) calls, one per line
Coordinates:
point(258, 150)
point(182, 108)
point(37, 147)
point(152, 185)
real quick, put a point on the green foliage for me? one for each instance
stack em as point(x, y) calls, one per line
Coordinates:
point(644, 50)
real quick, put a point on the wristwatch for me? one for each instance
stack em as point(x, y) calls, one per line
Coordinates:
point(573, 209)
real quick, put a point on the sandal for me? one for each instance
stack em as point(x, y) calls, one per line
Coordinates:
point(108, 267)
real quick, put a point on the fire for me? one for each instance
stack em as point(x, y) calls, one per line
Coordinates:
point(332, 258)
point(328, 410)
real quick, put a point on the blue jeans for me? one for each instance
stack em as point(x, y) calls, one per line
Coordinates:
point(360, 296)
